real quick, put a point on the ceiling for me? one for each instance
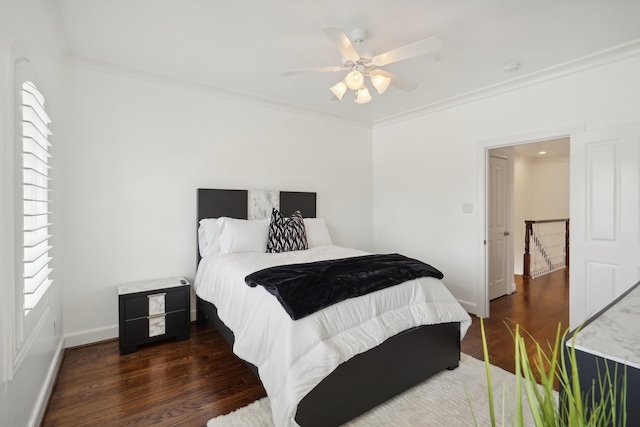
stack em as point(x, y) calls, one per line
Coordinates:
point(239, 47)
point(544, 150)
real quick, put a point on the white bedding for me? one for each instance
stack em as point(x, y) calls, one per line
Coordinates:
point(294, 356)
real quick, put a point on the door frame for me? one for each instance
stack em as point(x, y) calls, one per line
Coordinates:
point(482, 228)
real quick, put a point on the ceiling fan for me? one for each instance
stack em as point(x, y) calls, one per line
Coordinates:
point(362, 63)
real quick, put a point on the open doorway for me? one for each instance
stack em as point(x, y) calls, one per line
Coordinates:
point(537, 187)
point(482, 307)
point(525, 182)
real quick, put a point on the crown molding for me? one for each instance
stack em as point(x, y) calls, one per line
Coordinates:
point(203, 89)
point(598, 59)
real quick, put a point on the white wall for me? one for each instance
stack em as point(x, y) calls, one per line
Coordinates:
point(426, 168)
point(136, 151)
point(550, 193)
point(24, 32)
point(541, 191)
point(522, 200)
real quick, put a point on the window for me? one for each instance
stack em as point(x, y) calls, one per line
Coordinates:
point(36, 273)
point(25, 229)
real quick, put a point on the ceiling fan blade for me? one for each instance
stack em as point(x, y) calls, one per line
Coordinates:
point(399, 82)
point(313, 70)
point(342, 42)
point(418, 48)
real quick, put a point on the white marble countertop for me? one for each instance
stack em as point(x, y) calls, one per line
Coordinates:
point(615, 334)
point(150, 285)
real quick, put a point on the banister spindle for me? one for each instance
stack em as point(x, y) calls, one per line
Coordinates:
point(528, 226)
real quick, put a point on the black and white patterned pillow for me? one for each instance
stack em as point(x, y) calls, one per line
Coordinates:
point(286, 234)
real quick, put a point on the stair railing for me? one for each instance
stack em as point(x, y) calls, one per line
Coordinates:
point(546, 246)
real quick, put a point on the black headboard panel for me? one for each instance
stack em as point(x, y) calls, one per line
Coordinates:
point(213, 203)
point(290, 201)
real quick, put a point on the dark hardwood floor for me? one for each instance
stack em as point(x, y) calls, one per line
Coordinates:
point(187, 383)
point(171, 383)
point(538, 306)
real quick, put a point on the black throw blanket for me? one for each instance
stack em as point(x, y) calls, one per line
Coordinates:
point(303, 289)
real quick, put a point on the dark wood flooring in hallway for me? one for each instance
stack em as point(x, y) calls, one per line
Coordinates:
point(538, 306)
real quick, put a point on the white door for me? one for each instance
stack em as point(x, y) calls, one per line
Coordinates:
point(499, 282)
point(605, 217)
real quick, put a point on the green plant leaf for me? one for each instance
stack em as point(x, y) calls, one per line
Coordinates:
point(536, 376)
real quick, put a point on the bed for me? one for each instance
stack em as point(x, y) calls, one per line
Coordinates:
point(360, 378)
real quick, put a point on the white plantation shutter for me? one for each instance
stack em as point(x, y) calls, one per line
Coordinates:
point(35, 196)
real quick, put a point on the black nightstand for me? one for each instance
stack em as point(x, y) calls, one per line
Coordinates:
point(153, 310)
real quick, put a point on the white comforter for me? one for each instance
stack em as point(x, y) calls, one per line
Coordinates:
point(294, 356)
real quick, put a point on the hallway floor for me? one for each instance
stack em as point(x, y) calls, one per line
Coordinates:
point(538, 305)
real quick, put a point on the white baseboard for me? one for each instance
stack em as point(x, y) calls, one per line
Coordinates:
point(91, 336)
point(469, 307)
point(100, 334)
point(50, 381)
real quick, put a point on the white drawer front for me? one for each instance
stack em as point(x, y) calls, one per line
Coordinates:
point(156, 304)
point(157, 326)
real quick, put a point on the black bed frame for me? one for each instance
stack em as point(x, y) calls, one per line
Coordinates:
point(365, 380)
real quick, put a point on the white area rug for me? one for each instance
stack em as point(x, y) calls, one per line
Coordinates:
point(447, 399)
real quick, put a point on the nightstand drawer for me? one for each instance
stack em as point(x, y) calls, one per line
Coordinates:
point(140, 329)
point(136, 329)
point(142, 305)
point(175, 301)
point(136, 307)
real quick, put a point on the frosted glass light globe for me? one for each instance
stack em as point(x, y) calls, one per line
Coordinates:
point(363, 96)
point(354, 80)
point(380, 82)
point(339, 90)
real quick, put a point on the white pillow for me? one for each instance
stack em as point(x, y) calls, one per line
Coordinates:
point(208, 235)
point(317, 233)
point(243, 235)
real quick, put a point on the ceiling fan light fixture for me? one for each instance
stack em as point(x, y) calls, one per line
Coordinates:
point(354, 80)
point(339, 90)
point(380, 82)
point(359, 60)
point(363, 96)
